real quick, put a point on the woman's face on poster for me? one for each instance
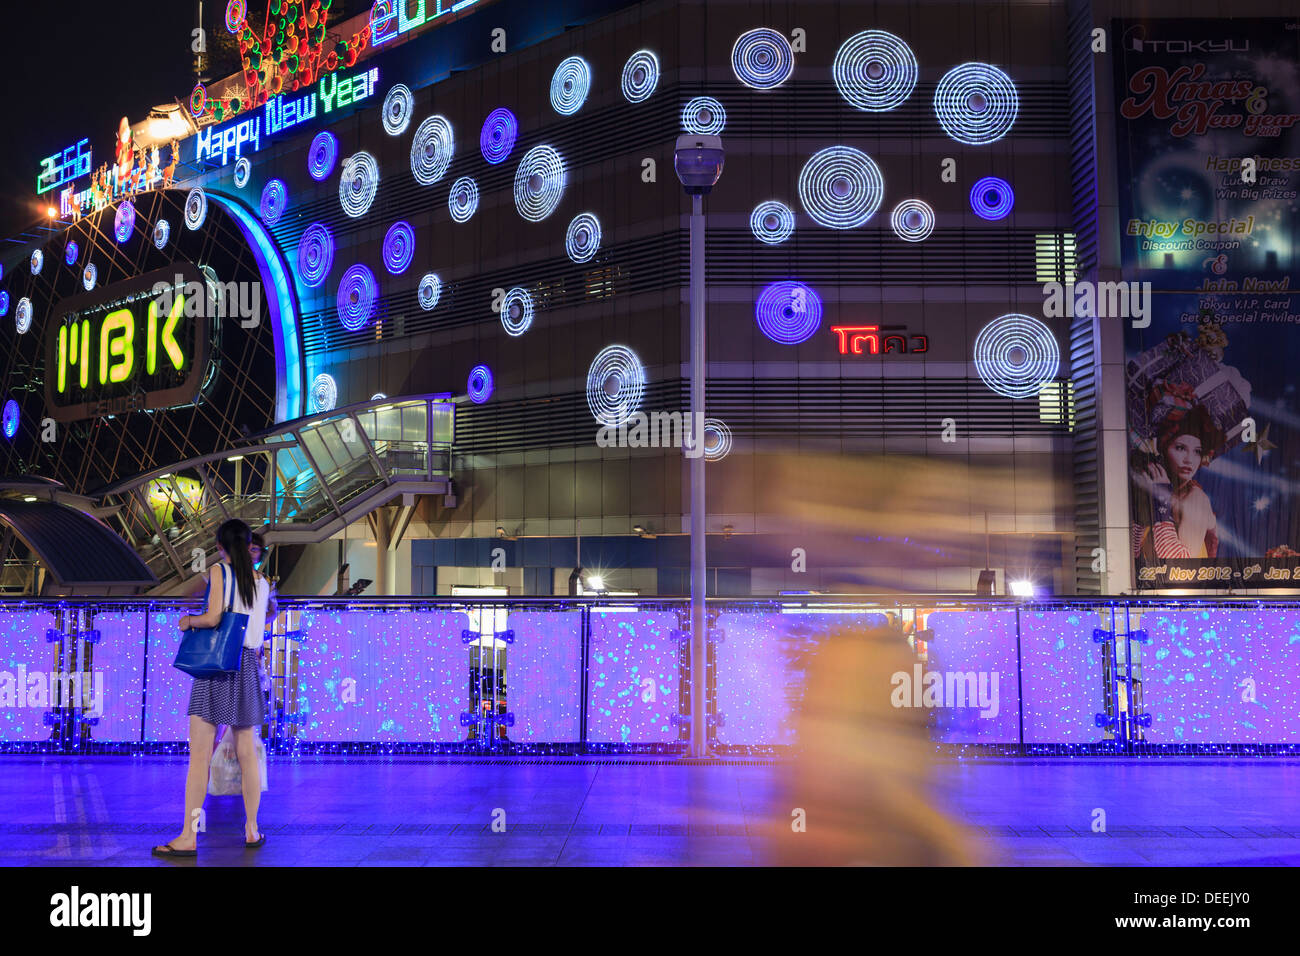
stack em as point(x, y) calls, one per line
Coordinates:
point(1184, 457)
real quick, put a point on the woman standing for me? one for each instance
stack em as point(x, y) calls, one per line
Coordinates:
point(234, 699)
point(1174, 518)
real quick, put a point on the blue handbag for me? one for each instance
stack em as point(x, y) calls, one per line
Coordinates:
point(210, 651)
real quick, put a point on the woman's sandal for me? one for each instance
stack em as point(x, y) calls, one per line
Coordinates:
point(261, 839)
point(166, 850)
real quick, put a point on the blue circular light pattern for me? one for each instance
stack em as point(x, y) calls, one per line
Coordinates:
point(124, 221)
point(582, 240)
point(772, 222)
point(762, 59)
point(398, 106)
point(243, 169)
point(479, 385)
point(517, 311)
point(70, 252)
point(23, 315)
point(912, 220)
point(841, 187)
point(162, 231)
point(992, 198)
point(431, 150)
point(356, 299)
point(1016, 355)
point(4, 304)
point(399, 247)
point(704, 116)
point(615, 385)
point(539, 183)
point(358, 183)
point(640, 76)
point(788, 312)
point(275, 199)
point(874, 71)
point(570, 85)
point(462, 201)
point(500, 130)
point(315, 255)
point(976, 103)
point(324, 392)
point(717, 439)
point(430, 291)
point(322, 153)
point(38, 261)
point(196, 208)
point(89, 276)
point(11, 419)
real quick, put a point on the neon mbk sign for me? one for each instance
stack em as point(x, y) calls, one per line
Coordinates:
point(866, 339)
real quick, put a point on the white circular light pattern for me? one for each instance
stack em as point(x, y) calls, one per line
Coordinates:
point(539, 183)
point(431, 150)
point(23, 315)
point(582, 240)
point(772, 222)
point(841, 187)
point(162, 231)
point(762, 59)
point(517, 311)
point(196, 208)
point(976, 103)
point(398, 106)
point(324, 392)
point(704, 116)
point(463, 199)
point(570, 85)
point(640, 76)
point(719, 446)
point(38, 261)
point(243, 168)
point(912, 220)
point(89, 276)
point(615, 385)
point(430, 291)
point(1016, 355)
point(358, 183)
point(874, 71)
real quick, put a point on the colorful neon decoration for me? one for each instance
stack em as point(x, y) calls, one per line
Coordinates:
point(11, 419)
point(358, 183)
point(430, 291)
point(89, 276)
point(322, 153)
point(497, 139)
point(315, 255)
point(615, 385)
point(431, 150)
point(275, 199)
point(704, 116)
point(480, 384)
point(243, 169)
point(1016, 355)
point(976, 103)
point(912, 220)
point(640, 76)
point(399, 104)
point(717, 439)
point(236, 10)
point(198, 100)
point(124, 221)
point(196, 208)
point(70, 253)
point(772, 222)
point(162, 231)
point(874, 71)
point(4, 304)
point(356, 300)
point(539, 183)
point(788, 312)
point(399, 247)
point(23, 315)
point(762, 59)
point(992, 198)
point(390, 20)
point(841, 187)
point(463, 199)
point(324, 392)
point(37, 261)
point(570, 85)
point(582, 240)
point(866, 340)
point(64, 167)
point(517, 311)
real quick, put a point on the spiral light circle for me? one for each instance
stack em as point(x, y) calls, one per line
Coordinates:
point(976, 103)
point(4, 303)
point(517, 311)
point(398, 106)
point(70, 252)
point(275, 199)
point(196, 208)
point(356, 299)
point(762, 59)
point(570, 85)
point(462, 201)
point(235, 13)
point(640, 76)
point(479, 385)
point(37, 261)
point(162, 231)
point(10, 416)
point(430, 291)
point(992, 198)
point(841, 187)
point(615, 385)
point(582, 240)
point(720, 446)
point(788, 312)
point(539, 183)
point(243, 169)
point(315, 255)
point(23, 315)
point(500, 130)
point(431, 150)
point(874, 71)
point(358, 184)
point(321, 155)
point(772, 222)
point(399, 247)
point(89, 276)
point(912, 220)
point(1016, 355)
point(324, 392)
point(124, 221)
point(704, 116)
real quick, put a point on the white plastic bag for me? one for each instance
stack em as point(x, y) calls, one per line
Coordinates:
point(224, 776)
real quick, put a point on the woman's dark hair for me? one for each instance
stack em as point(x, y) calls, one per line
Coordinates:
point(234, 537)
point(1195, 421)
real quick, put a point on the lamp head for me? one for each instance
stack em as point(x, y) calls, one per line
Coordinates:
point(698, 160)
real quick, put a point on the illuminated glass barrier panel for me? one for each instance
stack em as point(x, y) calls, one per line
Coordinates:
point(974, 653)
point(1061, 675)
point(634, 677)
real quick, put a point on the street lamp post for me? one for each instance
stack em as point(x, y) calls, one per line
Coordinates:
point(698, 161)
